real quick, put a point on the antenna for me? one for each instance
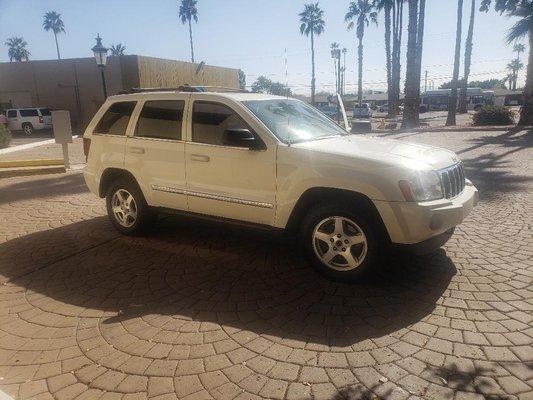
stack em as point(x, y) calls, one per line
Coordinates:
point(287, 95)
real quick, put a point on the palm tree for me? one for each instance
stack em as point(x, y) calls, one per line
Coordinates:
point(360, 14)
point(452, 103)
point(343, 80)
point(519, 48)
point(334, 47)
point(311, 24)
point(117, 49)
point(387, 5)
point(415, 37)
point(514, 67)
point(523, 10)
point(468, 60)
point(187, 12)
point(17, 49)
point(53, 22)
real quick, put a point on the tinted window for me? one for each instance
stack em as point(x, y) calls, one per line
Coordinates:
point(45, 112)
point(30, 112)
point(12, 114)
point(161, 119)
point(116, 118)
point(210, 120)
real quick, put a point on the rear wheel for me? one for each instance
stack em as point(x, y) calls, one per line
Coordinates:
point(340, 242)
point(127, 209)
point(27, 128)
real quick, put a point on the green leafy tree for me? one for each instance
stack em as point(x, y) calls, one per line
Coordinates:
point(523, 11)
point(360, 14)
point(242, 79)
point(16, 49)
point(53, 22)
point(462, 108)
point(311, 24)
point(117, 49)
point(486, 84)
point(187, 12)
point(265, 85)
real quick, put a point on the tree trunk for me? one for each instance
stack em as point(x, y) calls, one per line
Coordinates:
point(419, 48)
point(411, 108)
point(452, 103)
point(360, 70)
point(390, 97)
point(468, 61)
point(312, 68)
point(57, 47)
point(397, 27)
point(526, 112)
point(190, 37)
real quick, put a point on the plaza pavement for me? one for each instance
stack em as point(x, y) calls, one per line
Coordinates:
point(200, 311)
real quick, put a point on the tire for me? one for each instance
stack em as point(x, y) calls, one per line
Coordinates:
point(27, 128)
point(323, 221)
point(127, 208)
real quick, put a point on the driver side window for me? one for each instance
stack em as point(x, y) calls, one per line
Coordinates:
point(210, 120)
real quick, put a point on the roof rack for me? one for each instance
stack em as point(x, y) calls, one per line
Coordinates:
point(184, 88)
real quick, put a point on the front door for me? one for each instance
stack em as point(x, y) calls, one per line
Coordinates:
point(228, 181)
point(155, 152)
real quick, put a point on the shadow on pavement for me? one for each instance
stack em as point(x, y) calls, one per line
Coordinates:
point(229, 276)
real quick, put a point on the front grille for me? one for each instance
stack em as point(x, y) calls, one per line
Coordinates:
point(453, 180)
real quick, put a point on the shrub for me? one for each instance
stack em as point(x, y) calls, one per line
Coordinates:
point(494, 115)
point(5, 136)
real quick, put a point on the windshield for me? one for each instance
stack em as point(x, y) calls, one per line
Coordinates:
point(293, 121)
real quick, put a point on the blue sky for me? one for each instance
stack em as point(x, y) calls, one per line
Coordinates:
point(252, 35)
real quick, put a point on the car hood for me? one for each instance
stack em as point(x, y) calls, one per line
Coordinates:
point(389, 151)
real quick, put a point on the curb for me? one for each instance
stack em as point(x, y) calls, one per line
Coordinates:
point(34, 170)
point(31, 163)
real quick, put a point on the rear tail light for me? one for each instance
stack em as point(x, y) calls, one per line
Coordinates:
point(86, 147)
point(41, 120)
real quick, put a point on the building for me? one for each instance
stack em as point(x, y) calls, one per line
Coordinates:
point(76, 85)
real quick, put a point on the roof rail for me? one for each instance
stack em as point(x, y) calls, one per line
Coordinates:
point(183, 88)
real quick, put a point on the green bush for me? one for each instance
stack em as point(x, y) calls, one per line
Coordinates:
point(494, 115)
point(5, 136)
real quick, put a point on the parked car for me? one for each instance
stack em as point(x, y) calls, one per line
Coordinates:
point(272, 162)
point(330, 111)
point(362, 110)
point(29, 120)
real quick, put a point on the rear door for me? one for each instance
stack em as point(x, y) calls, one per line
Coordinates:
point(30, 115)
point(155, 151)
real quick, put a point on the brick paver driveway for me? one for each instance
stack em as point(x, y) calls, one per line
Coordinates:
point(206, 311)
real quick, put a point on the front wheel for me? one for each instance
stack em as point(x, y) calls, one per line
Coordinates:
point(340, 243)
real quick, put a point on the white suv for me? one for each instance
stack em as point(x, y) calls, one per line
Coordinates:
point(29, 120)
point(274, 162)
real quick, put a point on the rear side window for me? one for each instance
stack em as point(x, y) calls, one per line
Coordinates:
point(12, 114)
point(161, 119)
point(30, 112)
point(45, 112)
point(116, 118)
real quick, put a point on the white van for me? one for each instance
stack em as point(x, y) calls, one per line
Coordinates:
point(29, 120)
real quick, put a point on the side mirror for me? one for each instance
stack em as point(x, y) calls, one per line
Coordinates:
point(241, 137)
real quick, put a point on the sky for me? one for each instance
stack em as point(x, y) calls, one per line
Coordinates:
point(253, 34)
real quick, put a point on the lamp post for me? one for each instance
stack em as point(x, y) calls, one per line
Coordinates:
point(100, 55)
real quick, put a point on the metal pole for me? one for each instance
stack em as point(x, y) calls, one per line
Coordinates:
point(65, 155)
point(426, 82)
point(103, 81)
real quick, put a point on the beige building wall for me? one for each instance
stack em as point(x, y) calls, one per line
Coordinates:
point(76, 84)
point(158, 72)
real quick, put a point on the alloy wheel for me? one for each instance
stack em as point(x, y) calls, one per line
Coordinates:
point(124, 208)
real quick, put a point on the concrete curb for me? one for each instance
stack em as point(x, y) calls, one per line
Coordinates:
point(35, 170)
point(38, 162)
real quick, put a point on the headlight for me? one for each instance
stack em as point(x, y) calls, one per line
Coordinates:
point(423, 186)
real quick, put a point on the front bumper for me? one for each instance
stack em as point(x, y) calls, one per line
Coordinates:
point(410, 222)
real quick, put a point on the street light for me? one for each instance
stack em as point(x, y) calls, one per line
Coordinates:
point(100, 55)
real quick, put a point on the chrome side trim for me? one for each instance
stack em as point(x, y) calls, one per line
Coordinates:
point(212, 196)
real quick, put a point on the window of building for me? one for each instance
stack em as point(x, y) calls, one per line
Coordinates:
point(116, 118)
point(210, 120)
point(30, 112)
point(161, 119)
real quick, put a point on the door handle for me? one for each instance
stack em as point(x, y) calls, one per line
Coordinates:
point(136, 150)
point(199, 157)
